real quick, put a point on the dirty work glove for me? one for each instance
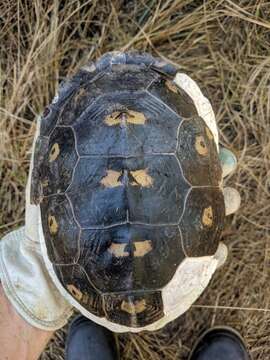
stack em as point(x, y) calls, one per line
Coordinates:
point(24, 276)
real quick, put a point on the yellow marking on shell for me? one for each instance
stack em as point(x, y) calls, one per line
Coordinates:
point(113, 119)
point(142, 247)
point(200, 145)
point(142, 178)
point(53, 226)
point(75, 292)
point(121, 117)
point(111, 179)
point(45, 183)
point(118, 250)
point(171, 86)
point(85, 298)
point(207, 217)
point(135, 117)
point(55, 151)
point(133, 308)
point(209, 134)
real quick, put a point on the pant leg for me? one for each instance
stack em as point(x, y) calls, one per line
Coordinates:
point(90, 341)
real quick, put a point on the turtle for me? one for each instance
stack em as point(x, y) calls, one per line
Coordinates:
point(128, 182)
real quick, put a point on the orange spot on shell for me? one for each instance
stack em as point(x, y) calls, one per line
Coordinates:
point(75, 292)
point(142, 248)
point(207, 217)
point(171, 86)
point(55, 151)
point(200, 145)
point(111, 179)
point(53, 226)
point(118, 250)
point(142, 178)
point(133, 308)
point(125, 117)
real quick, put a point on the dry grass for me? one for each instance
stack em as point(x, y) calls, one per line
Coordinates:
point(224, 45)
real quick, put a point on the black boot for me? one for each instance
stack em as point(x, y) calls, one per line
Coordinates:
point(89, 341)
point(220, 343)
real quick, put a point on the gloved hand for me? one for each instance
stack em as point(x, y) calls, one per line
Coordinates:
point(24, 277)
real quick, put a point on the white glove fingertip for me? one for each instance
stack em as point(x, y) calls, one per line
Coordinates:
point(232, 200)
point(221, 254)
point(228, 161)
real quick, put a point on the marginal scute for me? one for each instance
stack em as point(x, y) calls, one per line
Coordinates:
point(49, 119)
point(41, 150)
point(50, 116)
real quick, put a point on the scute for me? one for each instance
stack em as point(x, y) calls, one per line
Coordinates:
point(157, 135)
point(49, 119)
point(76, 282)
point(198, 154)
point(41, 151)
point(108, 191)
point(135, 309)
point(162, 201)
point(60, 230)
point(174, 97)
point(122, 78)
point(51, 113)
point(116, 258)
point(94, 203)
point(57, 166)
point(202, 221)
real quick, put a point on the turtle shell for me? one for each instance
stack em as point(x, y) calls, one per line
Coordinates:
point(128, 181)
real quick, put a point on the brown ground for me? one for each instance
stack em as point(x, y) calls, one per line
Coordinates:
point(224, 45)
